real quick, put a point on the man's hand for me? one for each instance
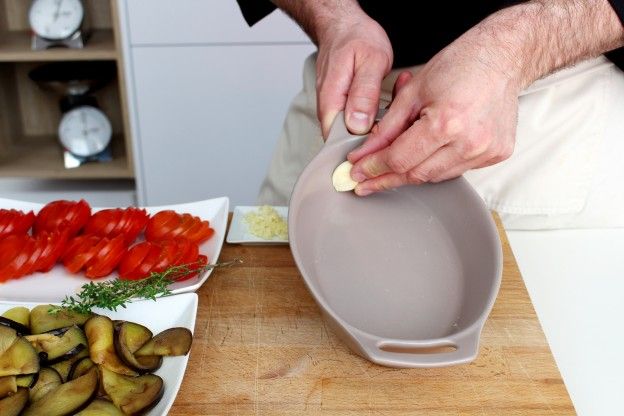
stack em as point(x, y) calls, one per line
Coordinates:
point(455, 114)
point(459, 112)
point(353, 58)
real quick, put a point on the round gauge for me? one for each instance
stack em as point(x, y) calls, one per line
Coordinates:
point(85, 131)
point(55, 19)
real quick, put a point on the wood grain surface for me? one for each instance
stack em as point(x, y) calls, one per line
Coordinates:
point(261, 348)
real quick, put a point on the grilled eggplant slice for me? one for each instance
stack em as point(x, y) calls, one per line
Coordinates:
point(62, 347)
point(101, 407)
point(80, 368)
point(99, 330)
point(170, 342)
point(67, 398)
point(129, 337)
point(64, 366)
point(42, 321)
point(21, 329)
point(19, 314)
point(27, 380)
point(8, 385)
point(13, 405)
point(19, 358)
point(7, 338)
point(132, 394)
point(49, 379)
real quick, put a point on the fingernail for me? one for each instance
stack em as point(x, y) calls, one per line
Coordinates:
point(358, 177)
point(363, 192)
point(358, 122)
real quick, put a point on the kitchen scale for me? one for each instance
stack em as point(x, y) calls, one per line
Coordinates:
point(84, 131)
point(57, 23)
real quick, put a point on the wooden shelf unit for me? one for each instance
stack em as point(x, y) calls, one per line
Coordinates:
point(29, 116)
point(15, 47)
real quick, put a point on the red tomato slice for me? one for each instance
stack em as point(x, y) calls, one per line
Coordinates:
point(136, 223)
point(27, 251)
point(53, 247)
point(104, 222)
point(112, 222)
point(15, 222)
point(133, 258)
point(167, 225)
point(13, 255)
point(167, 256)
point(161, 224)
point(33, 260)
point(57, 215)
point(198, 265)
point(199, 233)
point(107, 257)
point(144, 268)
point(80, 252)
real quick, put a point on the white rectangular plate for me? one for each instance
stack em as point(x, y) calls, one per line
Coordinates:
point(54, 285)
point(164, 313)
point(239, 231)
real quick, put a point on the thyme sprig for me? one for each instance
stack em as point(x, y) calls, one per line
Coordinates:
point(112, 294)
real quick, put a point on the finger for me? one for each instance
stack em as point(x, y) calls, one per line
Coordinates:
point(381, 183)
point(363, 96)
point(402, 112)
point(409, 150)
point(331, 93)
point(444, 160)
point(402, 80)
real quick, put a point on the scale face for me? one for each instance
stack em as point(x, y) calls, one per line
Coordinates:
point(85, 131)
point(56, 22)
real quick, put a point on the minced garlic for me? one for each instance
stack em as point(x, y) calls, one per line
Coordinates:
point(266, 223)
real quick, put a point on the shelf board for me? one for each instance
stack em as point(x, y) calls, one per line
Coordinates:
point(15, 47)
point(43, 158)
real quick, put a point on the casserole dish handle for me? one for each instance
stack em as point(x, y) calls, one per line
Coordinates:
point(455, 349)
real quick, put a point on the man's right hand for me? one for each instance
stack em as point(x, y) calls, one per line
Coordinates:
point(354, 56)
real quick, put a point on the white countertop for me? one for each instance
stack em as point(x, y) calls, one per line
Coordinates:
point(576, 281)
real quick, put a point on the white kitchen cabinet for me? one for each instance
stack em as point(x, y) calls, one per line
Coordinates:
point(207, 96)
point(184, 22)
point(208, 117)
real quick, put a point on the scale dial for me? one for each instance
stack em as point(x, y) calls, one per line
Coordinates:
point(56, 19)
point(85, 131)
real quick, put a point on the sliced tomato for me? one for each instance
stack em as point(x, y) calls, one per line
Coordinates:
point(110, 223)
point(13, 221)
point(69, 215)
point(103, 222)
point(27, 252)
point(12, 256)
point(197, 266)
point(79, 251)
point(109, 253)
point(148, 257)
point(37, 249)
point(167, 225)
point(54, 244)
point(168, 253)
point(133, 258)
point(161, 224)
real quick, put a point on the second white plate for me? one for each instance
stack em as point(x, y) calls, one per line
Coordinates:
point(167, 312)
point(239, 231)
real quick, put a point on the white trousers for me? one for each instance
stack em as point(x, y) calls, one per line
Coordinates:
point(567, 170)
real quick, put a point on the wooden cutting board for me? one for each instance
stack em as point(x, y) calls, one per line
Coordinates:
point(261, 348)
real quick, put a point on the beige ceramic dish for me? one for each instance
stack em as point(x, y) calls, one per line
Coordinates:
point(407, 277)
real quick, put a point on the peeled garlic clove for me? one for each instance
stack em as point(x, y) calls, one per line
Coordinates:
point(341, 177)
